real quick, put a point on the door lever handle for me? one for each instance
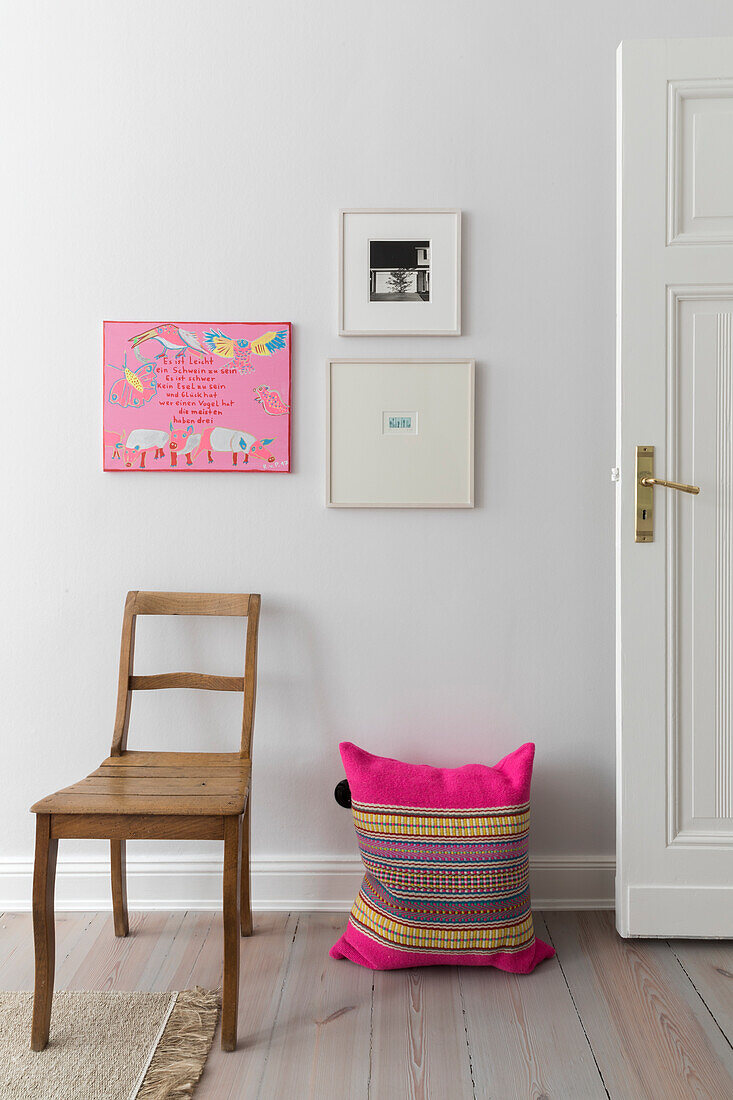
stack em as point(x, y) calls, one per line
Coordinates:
point(644, 483)
point(694, 489)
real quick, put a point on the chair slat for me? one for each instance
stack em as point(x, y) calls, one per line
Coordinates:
point(138, 826)
point(153, 784)
point(151, 759)
point(163, 773)
point(73, 802)
point(191, 603)
point(200, 680)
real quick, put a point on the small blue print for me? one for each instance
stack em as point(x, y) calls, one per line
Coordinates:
point(399, 422)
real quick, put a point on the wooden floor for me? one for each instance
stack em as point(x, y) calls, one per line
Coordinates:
point(629, 1019)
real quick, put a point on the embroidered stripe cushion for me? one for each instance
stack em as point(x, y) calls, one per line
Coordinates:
point(447, 873)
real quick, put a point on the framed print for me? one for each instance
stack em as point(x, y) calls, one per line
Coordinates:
point(399, 272)
point(400, 433)
point(186, 396)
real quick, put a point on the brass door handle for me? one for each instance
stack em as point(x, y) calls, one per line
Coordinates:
point(644, 493)
point(694, 489)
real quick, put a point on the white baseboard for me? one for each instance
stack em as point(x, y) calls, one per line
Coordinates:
point(278, 883)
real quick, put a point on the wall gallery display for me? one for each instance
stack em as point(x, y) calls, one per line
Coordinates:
point(197, 396)
point(400, 433)
point(399, 272)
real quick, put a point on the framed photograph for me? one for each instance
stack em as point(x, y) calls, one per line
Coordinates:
point(400, 272)
point(196, 395)
point(400, 433)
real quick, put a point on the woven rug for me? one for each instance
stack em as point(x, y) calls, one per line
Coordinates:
point(108, 1046)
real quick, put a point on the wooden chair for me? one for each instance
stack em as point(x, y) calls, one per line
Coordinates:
point(137, 795)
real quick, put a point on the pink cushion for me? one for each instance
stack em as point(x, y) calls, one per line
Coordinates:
point(447, 873)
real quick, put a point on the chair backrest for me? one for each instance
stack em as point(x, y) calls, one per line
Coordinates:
point(187, 603)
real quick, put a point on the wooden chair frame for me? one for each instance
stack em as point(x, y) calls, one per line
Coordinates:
point(143, 816)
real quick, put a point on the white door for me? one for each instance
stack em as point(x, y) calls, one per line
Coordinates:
point(675, 394)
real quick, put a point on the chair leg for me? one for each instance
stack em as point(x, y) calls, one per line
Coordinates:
point(44, 878)
point(230, 995)
point(119, 887)
point(245, 899)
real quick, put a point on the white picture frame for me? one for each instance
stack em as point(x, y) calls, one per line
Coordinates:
point(400, 433)
point(374, 247)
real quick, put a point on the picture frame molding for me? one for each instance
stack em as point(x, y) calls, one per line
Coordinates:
point(464, 360)
point(342, 330)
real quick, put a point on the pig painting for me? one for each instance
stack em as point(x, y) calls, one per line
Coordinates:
point(185, 442)
point(233, 440)
point(230, 439)
point(238, 442)
point(259, 450)
point(140, 441)
point(137, 441)
point(181, 443)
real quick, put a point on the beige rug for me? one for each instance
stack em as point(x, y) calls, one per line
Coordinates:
point(108, 1046)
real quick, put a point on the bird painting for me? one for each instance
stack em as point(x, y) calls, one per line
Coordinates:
point(271, 401)
point(135, 387)
point(171, 339)
point(241, 351)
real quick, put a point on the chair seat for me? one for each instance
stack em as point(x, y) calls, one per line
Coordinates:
point(200, 783)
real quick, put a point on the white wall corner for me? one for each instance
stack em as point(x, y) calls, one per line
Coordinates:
point(278, 883)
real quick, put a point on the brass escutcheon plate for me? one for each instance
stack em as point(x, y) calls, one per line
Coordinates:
point(644, 495)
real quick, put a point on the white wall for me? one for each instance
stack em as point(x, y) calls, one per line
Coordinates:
point(183, 160)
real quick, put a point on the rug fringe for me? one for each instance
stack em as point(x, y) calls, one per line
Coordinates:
point(181, 1054)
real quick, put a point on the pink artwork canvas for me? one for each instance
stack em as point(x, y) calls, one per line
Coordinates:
point(197, 396)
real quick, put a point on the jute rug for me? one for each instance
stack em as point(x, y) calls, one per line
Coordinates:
point(108, 1046)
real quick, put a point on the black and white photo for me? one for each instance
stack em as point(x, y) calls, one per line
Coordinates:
point(399, 271)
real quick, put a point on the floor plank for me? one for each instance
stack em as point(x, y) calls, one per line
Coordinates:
point(179, 961)
point(208, 967)
point(127, 962)
point(14, 931)
point(17, 971)
point(67, 961)
point(320, 1045)
point(412, 1008)
point(200, 932)
point(651, 1035)
point(517, 1024)
point(265, 960)
point(709, 966)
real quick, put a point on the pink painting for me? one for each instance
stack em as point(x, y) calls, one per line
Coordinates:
point(197, 396)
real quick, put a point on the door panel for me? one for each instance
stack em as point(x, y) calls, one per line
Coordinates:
point(700, 162)
point(675, 393)
point(700, 565)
